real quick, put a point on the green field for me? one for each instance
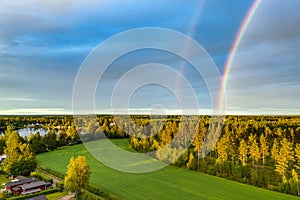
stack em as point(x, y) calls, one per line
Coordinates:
point(168, 183)
point(56, 195)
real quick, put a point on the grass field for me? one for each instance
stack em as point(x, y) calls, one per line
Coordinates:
point(55, 196)
point(168, 183)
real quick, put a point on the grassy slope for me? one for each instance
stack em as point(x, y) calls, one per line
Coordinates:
point(168, 183)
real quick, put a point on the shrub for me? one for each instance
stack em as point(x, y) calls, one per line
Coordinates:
point(85, 194)
point(41, 177)
point(60, 186)
point(98, 192)
point(34, 174)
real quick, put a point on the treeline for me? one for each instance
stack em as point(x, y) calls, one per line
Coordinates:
point(62, 130)
point(258, 150)
point(48, 142)
point(21, 121)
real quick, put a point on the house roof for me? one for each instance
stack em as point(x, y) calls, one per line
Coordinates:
point(20, 181)
point(33, 185)
point(16, 188)
point(31, 191)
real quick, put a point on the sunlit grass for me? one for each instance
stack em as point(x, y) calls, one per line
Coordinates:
point(56, 195)
point(168, 183)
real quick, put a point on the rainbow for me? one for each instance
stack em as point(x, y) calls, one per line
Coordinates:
point(190, 33)
point(233, 50)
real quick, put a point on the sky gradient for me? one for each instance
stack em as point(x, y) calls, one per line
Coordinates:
point(43, 43)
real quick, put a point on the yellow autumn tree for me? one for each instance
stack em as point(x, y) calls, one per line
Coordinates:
point(222, 149)
point(254, 150)
point(243, 151)
point(12, 150)
point(78, 175)
point(297, 155)
point(263, 147)
point(275, 150)
point(198, 141)
point(284, 158)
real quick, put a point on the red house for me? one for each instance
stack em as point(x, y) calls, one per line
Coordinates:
point(30, 188)
point(19, 180)
point(23, 185)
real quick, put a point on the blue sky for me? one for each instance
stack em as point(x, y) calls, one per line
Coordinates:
point(43, 43)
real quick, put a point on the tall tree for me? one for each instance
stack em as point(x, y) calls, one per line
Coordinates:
point(35, 143)
point(243, 150)
point(20, 159)
point(2, 144)
point(78, 175)
point(198, 141)
point(297, 155)
point(284, 157)
point(275, 150)
point(295, 180)
point(254, 150)
point(264, 147)
point(50, 140)
point(9, 130)
point(23, 166)
point(222, 149)
point(12, 150)
point(72, 133)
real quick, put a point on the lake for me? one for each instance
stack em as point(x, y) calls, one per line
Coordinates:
point(26, 131)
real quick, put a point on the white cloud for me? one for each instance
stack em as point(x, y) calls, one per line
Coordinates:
point(264, 77)
point(161, 111)
point(35, 111)
point(15, 99)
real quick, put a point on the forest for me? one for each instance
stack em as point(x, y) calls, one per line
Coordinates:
point(263, 151)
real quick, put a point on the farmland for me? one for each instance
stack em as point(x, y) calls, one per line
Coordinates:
point(168, 183)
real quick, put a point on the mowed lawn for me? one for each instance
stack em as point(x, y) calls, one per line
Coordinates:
point(168, 183)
